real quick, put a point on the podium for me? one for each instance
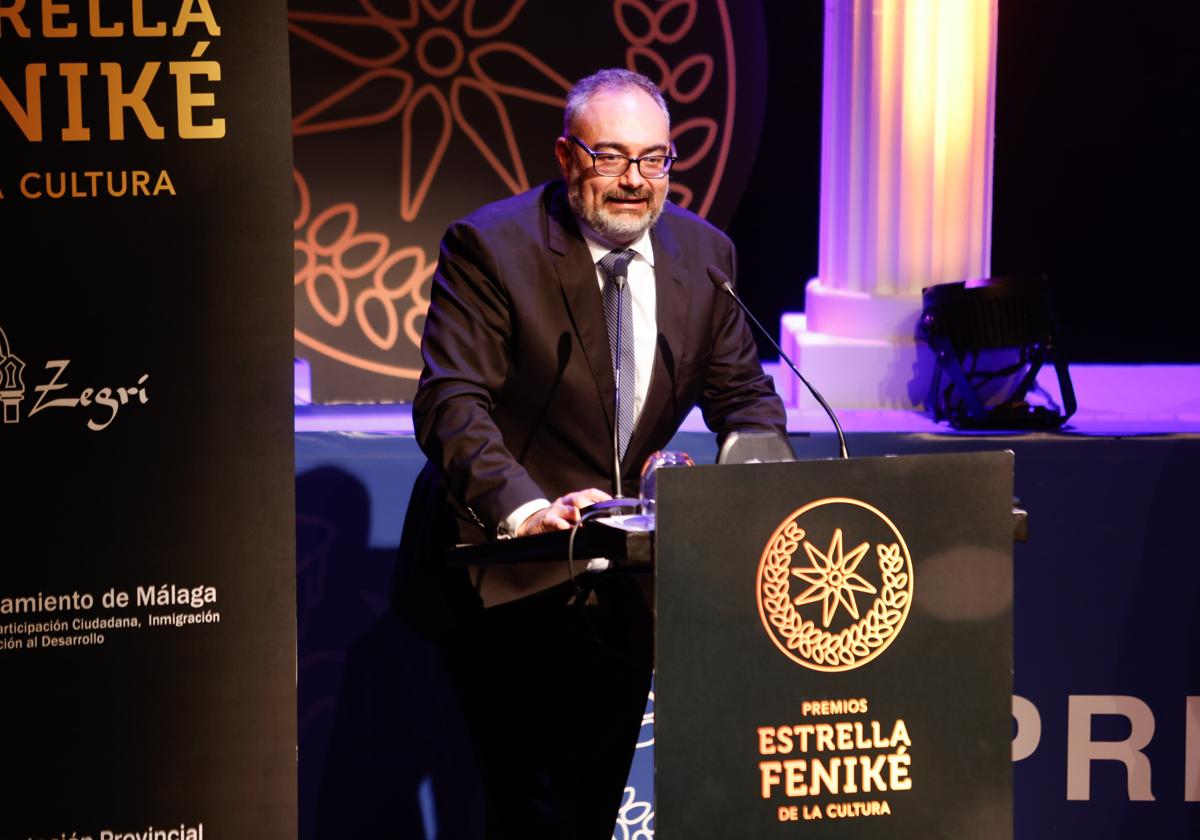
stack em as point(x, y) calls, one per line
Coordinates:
point(833, 646)
point(834, 649)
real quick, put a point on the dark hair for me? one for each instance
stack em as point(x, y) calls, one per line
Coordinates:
point(612, 79)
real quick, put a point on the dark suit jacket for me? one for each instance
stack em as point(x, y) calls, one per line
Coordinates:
point(516, 398)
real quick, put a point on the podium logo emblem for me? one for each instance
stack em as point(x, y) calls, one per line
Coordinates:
point(835, 584)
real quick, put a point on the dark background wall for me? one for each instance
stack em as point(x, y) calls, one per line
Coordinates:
point(404, 120)
point(1095, 169)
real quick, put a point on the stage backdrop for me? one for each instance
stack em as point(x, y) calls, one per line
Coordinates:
point(146, 577)
point(409, 115)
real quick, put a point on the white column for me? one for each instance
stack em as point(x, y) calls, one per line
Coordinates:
point(906, 189)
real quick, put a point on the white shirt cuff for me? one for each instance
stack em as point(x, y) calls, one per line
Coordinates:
point(508, 528)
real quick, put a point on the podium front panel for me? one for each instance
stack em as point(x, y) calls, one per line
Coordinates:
point(834, 649)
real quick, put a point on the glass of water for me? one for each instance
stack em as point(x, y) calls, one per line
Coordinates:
point(648, 493)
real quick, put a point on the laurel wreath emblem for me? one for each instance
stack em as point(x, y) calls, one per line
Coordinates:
point(802, 639)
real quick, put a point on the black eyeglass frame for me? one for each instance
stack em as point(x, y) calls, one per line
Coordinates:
point(668, 161)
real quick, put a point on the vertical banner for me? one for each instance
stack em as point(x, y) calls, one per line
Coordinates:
point(147, 569)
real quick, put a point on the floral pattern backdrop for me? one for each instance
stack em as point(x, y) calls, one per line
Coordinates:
point(408, 114)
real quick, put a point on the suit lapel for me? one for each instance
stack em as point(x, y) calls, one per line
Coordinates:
point(581, 291)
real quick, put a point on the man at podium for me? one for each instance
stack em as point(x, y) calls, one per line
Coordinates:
point(570, 331)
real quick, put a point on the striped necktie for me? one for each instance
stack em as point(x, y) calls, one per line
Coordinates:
point(618, 312)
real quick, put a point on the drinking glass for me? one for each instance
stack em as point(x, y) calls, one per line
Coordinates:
point(648, 492)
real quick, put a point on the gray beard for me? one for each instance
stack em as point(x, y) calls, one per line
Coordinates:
point(620, 229)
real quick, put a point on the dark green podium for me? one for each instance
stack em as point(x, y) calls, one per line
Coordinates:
point(834, 649)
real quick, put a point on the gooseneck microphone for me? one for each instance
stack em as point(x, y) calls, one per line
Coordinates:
point(722, 283)
point(620, 275)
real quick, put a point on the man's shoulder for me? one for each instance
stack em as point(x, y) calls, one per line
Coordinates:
point(689, 226)
point(685, 236)
point(515, 211)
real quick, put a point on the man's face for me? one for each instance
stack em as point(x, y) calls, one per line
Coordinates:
point(626, 122)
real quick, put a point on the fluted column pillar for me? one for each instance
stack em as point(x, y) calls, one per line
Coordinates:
point(906, 187)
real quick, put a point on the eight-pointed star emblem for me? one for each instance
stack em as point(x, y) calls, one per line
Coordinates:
point(832, 578)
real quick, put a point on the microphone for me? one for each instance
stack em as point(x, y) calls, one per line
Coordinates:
point(620, 274)
point(722, 283)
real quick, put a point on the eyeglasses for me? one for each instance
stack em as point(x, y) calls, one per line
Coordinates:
point(611, 165)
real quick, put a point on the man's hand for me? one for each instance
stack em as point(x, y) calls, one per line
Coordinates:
point(562, 513)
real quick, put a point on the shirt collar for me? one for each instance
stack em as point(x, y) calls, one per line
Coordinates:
point(599, 246)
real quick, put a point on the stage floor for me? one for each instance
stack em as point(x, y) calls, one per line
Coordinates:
point(1114, 401)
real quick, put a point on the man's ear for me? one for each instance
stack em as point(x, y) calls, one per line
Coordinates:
point(562, 153)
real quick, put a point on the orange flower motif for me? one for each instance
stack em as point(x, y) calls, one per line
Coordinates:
point(429, 69)
point(330, 254)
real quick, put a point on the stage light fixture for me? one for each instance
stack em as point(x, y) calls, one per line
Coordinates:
point(991, 337)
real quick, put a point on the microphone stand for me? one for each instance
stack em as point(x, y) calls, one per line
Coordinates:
point(722, 283)
point(619, 278)
point(618, 501)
